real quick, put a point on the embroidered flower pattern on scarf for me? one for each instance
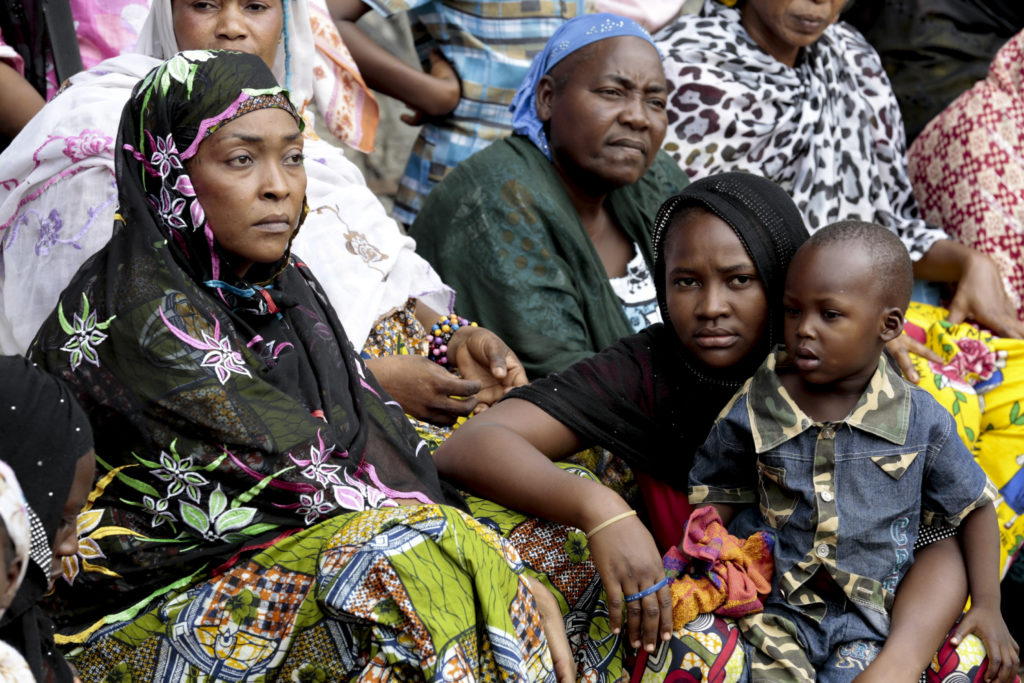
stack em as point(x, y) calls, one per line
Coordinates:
point(86, 334)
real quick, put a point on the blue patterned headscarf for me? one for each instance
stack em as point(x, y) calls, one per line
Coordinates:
point(570, 36)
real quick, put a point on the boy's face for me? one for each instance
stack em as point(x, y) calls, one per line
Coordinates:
point(836, 318)
point(713, 292)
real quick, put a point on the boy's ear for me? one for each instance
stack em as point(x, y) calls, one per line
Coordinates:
point(545, 94)
point(892, 324)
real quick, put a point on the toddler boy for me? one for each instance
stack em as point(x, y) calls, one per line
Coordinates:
point(845, 460)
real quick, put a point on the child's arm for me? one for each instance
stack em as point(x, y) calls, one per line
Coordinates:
point(432, 94)
point(921, 615)
point(980, 540)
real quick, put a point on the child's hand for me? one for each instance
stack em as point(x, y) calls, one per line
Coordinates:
point(987, 623)
point(445, 94)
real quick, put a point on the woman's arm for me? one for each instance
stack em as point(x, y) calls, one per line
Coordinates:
point(980, 295)
point(20, 101)
point(507, 455)
point(433, 94)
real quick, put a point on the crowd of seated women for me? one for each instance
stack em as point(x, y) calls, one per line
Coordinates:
point(237, 369)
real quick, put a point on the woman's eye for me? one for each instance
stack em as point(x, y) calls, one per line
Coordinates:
point(742, 280)
point(686, 282)
point(295, 159)
point(657, 103)
point(240, 160)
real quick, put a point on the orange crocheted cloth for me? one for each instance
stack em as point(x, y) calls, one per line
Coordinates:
point(717, 572)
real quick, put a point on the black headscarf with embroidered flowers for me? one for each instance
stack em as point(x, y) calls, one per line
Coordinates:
point(236, 410)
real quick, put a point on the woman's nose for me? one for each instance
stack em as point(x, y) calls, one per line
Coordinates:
point(634, 112)
point(275, 185)
point(230, 23)
point(713, 304)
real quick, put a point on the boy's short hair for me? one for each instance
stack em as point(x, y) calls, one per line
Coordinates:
point(893, 268)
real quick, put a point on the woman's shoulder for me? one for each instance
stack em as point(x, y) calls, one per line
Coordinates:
point(509, 187)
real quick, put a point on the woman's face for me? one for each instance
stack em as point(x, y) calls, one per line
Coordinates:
point(606, 113)
point(66, 542)
point(714, 295)
point(252, 26)
point(248, 175)
point(782, 27)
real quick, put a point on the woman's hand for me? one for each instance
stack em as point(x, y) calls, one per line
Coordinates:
point(445, 92)
point(424, 389)
point(986, 621)
point(628, 561)
point(980, 297)
point(554, 631)
point(902, 346)
point(480, 355)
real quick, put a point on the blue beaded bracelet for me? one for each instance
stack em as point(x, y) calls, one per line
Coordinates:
point(647, 591)
point(440, 334)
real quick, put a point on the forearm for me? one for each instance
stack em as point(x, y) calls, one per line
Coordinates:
point(21, 101)
point(946, 261)
point(384, 71)
point(500, 456)
point(980, 540)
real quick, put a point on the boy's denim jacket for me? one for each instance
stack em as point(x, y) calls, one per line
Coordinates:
point(846, 496)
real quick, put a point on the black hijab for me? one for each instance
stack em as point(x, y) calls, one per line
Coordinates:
point(43, 434)
point(236, 407)
point(645, 398)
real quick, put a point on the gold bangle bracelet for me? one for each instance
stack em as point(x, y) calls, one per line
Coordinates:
point(609, 522)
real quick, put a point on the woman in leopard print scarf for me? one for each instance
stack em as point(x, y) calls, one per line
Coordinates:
point(777, 87)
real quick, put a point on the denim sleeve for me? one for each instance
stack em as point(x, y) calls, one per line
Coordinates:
point(724, 468)
point(954, 484)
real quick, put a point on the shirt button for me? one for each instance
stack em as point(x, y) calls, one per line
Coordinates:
point(821, 550)
point(826, 496)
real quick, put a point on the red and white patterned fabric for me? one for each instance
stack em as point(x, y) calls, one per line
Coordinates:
point(967, 167)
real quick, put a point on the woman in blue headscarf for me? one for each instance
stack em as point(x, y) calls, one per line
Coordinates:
point(546, 235)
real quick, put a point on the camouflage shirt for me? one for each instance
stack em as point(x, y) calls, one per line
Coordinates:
point(847, 497)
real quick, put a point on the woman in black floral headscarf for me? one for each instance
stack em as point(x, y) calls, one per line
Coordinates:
point(264, 508)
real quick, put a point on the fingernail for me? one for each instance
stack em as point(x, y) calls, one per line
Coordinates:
point(650, 647)
point(636, 643)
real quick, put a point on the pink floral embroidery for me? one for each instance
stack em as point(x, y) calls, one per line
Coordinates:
point(318, 466)
point(220, 356)
point(89, 143)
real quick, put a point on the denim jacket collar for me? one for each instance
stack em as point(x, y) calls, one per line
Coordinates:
point(883, 409)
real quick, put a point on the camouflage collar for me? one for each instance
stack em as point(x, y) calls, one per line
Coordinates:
point(882, 410)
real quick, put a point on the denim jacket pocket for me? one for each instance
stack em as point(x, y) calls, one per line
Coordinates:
point(895, 465)
point(777, 502)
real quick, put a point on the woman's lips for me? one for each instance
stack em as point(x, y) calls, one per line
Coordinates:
point(716, 339)
point(809, 24)
point(274, 224)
